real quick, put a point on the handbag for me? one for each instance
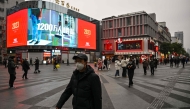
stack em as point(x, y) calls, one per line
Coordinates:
point(57, 66)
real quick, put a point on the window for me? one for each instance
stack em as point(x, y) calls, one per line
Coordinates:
point(123, 21)
point(129, 45)
point(120, 22)
point(114, 22)
point(134, 30)
point(131, 31)
point(137, 20)
point(133, 20)
point(145, 18)
point(108, 33)
point(128, 20)
point(2, 9)
point(137, 30)
point(110, 24)
point(117, 22)
point(126, 32)
point(141, 29)
point(141, 19)
point(119, 31)
point(114, 32)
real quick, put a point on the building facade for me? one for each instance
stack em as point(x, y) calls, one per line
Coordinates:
point(179, 35)
point(129, 34)
point(48, 52)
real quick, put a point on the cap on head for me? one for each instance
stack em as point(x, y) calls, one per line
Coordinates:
point(81, 56)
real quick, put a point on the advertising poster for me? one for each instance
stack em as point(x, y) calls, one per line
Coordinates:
point(86, 35)
point(48, 27)
point(17, 29)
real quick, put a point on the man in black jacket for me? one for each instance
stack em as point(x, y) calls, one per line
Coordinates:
point(131, 67)
point(26, 67)
point(37, 62)
point(85, 86)
point(12, 71)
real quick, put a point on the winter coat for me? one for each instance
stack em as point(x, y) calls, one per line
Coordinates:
point(145, 64)
point(117, 65)
point(123, 63)
point(127, 60)
point(25, 65)
point(152, 63)
point(11, 67)
point(86, 90)
point(131, 67)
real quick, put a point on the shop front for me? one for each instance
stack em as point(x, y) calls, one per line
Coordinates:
point(56, 54)
point(47, 57)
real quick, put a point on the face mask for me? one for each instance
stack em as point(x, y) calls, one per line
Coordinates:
point(79, 66)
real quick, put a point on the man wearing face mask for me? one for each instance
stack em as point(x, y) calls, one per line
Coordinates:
point(131, 67)
point(85, 86)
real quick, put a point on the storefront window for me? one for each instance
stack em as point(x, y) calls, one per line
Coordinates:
point(129, 45)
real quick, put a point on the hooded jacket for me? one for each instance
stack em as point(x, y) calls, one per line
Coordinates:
point(11, 66)
point(86, 90)
point(117, 65)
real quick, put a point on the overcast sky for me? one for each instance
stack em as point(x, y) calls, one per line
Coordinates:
point(176, 13)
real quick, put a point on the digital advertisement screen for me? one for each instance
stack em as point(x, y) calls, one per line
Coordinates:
point(48, 27)
point(17, 29)
point(43, 27)
point(86, 35)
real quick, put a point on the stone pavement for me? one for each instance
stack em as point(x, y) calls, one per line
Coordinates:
point(169, 88)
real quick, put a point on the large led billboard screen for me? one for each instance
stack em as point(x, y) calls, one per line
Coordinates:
point(86, 35)
point(49, 28)
point(17, 29)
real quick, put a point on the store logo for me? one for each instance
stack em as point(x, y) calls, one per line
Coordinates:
point(15, 40)
point(87, 44)
point(15, 25)
point(87, 32)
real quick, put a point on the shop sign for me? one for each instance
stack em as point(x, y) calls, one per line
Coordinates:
point(21, 51)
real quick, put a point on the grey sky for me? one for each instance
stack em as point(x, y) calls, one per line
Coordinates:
point(176, 13)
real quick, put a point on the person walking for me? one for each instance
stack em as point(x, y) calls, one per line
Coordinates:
point(26, 67)
point(85, 86)
point(117, 67)
point(5, 63)
point(156, 63)
point(12, 71)
point(152, 65)
point(37, 62)
point(109, 64)
point(54, 64)
point(137, 62)
point(131, 68)
point(123, 65)
point(31, 62)
point(183, 61)
point(145, 65)
point(171, 62)
point(106, 63)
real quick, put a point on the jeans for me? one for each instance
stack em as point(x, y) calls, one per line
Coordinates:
point(117, 73)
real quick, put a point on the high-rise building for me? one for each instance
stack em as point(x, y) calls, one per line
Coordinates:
point(179, 35)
